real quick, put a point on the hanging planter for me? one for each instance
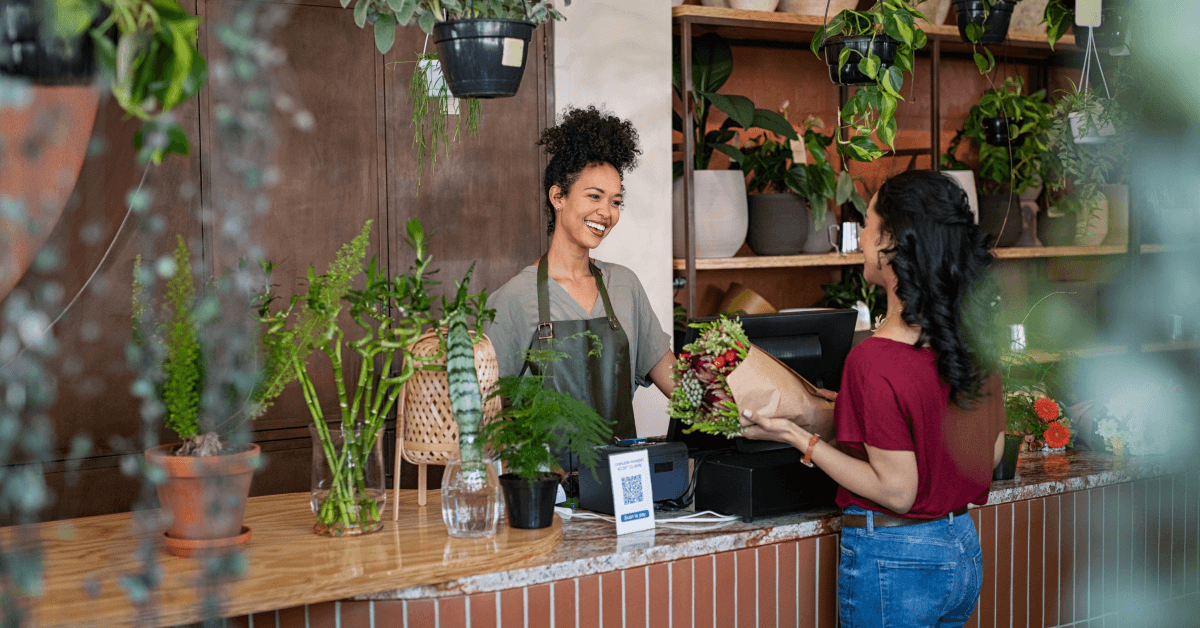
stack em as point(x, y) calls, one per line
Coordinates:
point(27, 54)
point(1113, 32)
point(1002, 132)
point(993, 21)
point(483, 58)
point(880, 46)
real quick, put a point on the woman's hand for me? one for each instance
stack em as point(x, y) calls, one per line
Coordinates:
point(778, 429)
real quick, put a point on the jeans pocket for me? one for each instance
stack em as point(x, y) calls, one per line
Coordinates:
point(914, 593)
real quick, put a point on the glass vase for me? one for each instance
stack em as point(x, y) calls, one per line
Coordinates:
point(471, 498)
point(348, 495)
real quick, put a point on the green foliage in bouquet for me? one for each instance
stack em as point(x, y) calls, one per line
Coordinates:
point(538, 420)
point(702, 399)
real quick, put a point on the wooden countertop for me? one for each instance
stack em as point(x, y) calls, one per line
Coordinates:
point(286, 564)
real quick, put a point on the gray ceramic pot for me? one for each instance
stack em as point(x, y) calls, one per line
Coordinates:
point(992, 213)
point(818, 235)
point(778, 224)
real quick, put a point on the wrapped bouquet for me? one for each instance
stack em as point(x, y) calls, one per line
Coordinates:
point(1037, 417)
point(721, 374)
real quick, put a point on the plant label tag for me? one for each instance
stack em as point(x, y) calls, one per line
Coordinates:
point(633, 501)
point(513, 53)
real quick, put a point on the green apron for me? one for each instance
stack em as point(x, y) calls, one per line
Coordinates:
point(602, 381)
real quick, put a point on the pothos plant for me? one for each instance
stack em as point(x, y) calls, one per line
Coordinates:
point(148, 50)
point(1018, 163)
point(872, 107)
point(712, 63)
point(975, 31)
point(387, 15)
point(771, 168)
point(431, 108)
point(1058, 17)
point(389, 314)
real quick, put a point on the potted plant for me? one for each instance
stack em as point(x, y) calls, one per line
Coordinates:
point(720, 195)
point(482, 47)
point(984, 22)
point(432, 105)
point(779, 187)
point(387, 315)
point(147, 49)
point(1008, 168)
point(872, 49)
point(536, 421)
point(49, 41)
point(1059, 16)
point(204, 479)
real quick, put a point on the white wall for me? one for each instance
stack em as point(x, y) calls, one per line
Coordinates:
point(617, 54)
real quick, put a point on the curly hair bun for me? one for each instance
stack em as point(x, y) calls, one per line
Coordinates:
point(589, 136)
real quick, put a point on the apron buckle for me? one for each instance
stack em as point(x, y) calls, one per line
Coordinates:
point(614, 323)
point(549, 331)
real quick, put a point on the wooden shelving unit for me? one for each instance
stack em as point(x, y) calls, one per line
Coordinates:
point(1098, 351)
point(854, 259)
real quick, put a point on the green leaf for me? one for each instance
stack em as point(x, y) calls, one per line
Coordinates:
point(974, 33)
point(360, 13)
point(869, 65)
point(904, 62)
point(982, 63)
point(863, 148)
point(385, 33)
point(773, 122)
point(887, 132)
point(734, 154)
point(919, 39)
point(817, 40)
point(892, 81)
point(426, 22)
point(739, 108)
point(900, 28)
point(712, 63)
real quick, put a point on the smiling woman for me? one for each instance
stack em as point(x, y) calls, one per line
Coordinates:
point(594, 312)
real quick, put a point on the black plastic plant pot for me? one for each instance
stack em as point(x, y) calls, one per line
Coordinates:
point(25, 54)
point(1113, 28)
point(529, 503)
point(1007, 469)
point(998, 132)
point(880, 45)
point(996, 24)
point(483, 58)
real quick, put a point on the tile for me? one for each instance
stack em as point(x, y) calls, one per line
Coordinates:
point(512, 608)
point(612, 607)
point(481, 611)
point(1179, 536)
point(987, 543)
point(1005, 548)
point(537, 606)
point(323, 615)
point(682, 600)
point(635, 597)
point(747, 587)
point(827, 563)
point(1097, 550)
point(451, 612)
point(658, 595)
point(588, 602)
point(806, 584)
point(1052, 584)
point(767, 583)
point(705, 604)
point(352, 614)
point(1020, 564)
point(1066, 560)
point(1037, 561)
point(294, 617)
point(1191, 525)
point(788, 591)
point(973, 620)
point(1139, 562)
point(243, 621)
point(1082, 554)
point(421, 613)
point(725, 590)
point(1113, 523)
point(564, 603)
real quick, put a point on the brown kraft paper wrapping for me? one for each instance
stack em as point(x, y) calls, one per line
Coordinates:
point(767, 387)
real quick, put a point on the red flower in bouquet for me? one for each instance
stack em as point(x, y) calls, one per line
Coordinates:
point(1046, 409)
point(1057, 435)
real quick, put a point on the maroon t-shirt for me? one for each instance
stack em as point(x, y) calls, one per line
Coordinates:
point(892, 398)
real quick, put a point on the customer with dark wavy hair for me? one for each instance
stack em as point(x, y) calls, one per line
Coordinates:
point(920, 414)
point(567, 300)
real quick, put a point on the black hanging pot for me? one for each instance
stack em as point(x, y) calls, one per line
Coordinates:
point(999, 132)
point(1113, 28)
point(25, 53)
point(996, 25)
point(483, 58)
point(529, 503)
point(880, 45)
point(1007, 469)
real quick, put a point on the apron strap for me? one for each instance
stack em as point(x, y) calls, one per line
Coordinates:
point(613, 323)
point(545, 328)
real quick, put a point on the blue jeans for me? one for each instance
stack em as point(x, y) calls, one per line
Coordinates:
point(927, 574)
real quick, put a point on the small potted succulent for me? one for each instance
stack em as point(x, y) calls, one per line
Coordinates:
point(872, 49)
point(536, 421)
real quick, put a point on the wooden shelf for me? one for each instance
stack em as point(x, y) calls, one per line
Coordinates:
point(1097, 351)
point(854, 259)
point(1170, 248)
point(775, 26)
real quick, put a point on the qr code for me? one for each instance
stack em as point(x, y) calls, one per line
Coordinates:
point(631, 489)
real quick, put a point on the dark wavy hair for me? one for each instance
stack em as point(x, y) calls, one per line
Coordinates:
point(582, 138)
point(943, 271)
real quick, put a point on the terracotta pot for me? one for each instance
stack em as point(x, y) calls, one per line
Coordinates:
point(192, 483)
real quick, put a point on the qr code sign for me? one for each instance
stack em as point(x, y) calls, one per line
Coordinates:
point(631, 489)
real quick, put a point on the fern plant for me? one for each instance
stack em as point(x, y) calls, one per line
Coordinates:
point(538, 420)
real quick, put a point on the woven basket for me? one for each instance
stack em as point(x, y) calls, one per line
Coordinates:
point(430, 433)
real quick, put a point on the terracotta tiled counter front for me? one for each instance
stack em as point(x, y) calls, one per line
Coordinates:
point(1071, 541)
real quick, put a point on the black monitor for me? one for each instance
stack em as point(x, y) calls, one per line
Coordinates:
point(812, 342)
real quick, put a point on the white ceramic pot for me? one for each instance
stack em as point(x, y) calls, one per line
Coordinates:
point(966, 180)
point(722, 217)
point(1118, 214)
point(754, 5)
point(1027, 17)
point(1093, 225)
point(818, 235)
point(1029, 212)
point(1088, 129)
point(935, 10)
point(816, 7)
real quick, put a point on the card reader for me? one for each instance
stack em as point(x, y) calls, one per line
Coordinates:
point(668, 474)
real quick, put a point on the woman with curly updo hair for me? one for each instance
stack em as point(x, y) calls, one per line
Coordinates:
point(920, 414)
point(566, 300)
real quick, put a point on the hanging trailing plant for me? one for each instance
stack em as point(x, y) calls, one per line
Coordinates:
point(1017, 162)
point(432, 104)
point(386, 15)
point(1059, 16)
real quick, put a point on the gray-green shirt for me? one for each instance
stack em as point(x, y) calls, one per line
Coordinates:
point(516, 307)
